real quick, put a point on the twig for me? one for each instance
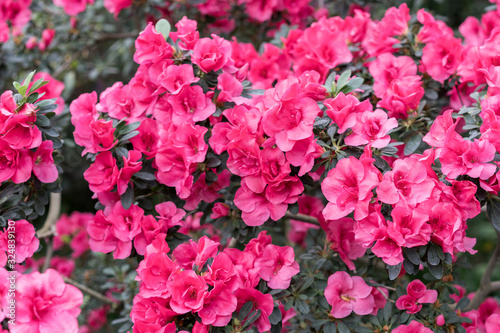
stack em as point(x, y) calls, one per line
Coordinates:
point(49, 254)
point(48, 228)
point(118, 36)
point(385, 296)
point(486, 286)
point(302, 218)
point(89, 291)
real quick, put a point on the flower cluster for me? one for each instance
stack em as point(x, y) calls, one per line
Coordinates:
point(196, 278)
point(417, 295)
point(22, 148)
point(14, 15)
point(43, 302)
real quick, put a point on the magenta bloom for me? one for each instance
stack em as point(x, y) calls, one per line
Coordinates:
point(347, 294)
point(102, 175)
point(417, 295)
point(348, 188)
point(277, 265)
point(188, 291)
point(46, 304)
point(408, 181)
point(414, 327)
point(25, 236)
point(262, 302)
point(43, 163)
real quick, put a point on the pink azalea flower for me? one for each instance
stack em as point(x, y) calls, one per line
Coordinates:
point(372, 128)
point(442, 57)
point(45, 303)
point(73, 7)
point(277, 265)
point(15, 164)
point(348, 294)
point(25, 236)
point(188, 291)
point(43, 163)
point(413, 327)
point(260, 301)
point(211, 54)
point(152, 314)
point(407, 181)
point(387, 68)
point(187, 33)
point(341, 234)
point(116, 6)
point(151, 45)
point(102, 175)
point(348, 188)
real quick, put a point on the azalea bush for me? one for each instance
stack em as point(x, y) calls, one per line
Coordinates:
point(324, 181)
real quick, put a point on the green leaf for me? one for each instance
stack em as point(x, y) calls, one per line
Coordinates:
point(342, 328)
point(436, 270)
point(37, 85)
point(412, 255)
point(32, 98)
point(352, 85)
point(343, 78)
point(22, 90)
point(432, 255)
point(245, 310)
point(42, 121)
point(329, 327)
point(394, 270)
point(493, 212)
point(130, 127)
point(463, 303)
point(127, 198)
point(330, 82)
point(412, 144)
point(145, 176)
point(275, 316)
point(46, 109)
point(254, 315)
point(163, 27)
point(129, 136)
point(302, 306)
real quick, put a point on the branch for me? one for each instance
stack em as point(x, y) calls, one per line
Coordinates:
point(89, 291)
point(48, 228)
point(486, 286)
point(385, 296)
point(50, 252)
point(118, 36)
point(302, 218)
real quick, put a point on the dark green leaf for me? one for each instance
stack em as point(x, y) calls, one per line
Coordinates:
point(412, 144)
point(463, 303)
point(245, 310)
point(127, 198)
point(493, 212)
point(42, 121)
point(302, 306)
point(342, 328)
point(330, 327)
point(412, 255)
point(130, 127)
point(394, 271)
point(275, 316)
point(46, 109)
point(436, 270)
point(432, 255)
point(294, 208)
point(129, 136)
point(145, 176)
